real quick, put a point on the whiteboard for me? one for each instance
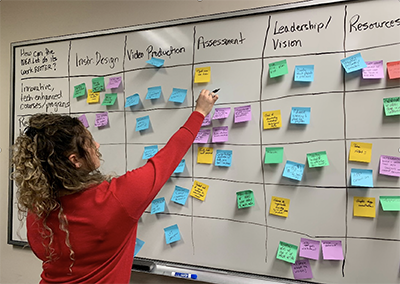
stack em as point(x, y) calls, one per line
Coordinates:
point(238, 47)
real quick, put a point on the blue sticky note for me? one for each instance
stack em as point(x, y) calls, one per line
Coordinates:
point(153, 93)
point(293, 170)
point(353, 63)
point(362, 177)
point(142, 123)
point(178, 95)
point(180, 195)
point(138, 246)
point(223, 158)
point(158, 62)
point(158, 205)
point(172, 234)
point(180, 167)
point(304, 73)
point(300, 115)
point(149, 152)
point(132, 100)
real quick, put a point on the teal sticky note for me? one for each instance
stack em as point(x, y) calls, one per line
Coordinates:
point(300, 115)
point(142, 123)
point(132, 100)
point(149, 152)
point(353, 63)
point(109, 99)
point(98, 84)
point(138, 246)
point(390, 203)
point(79, 90)
point(172, 234)
point(287, 252)
point(158, 205)
point(178, 95)
point(180, 195)
point(273, 155)
point(223, 158)
point(153, 93)
point(304, 73)
point(158, 62)
point(179, 169)
point(293, 170)
point(362, 177)
point(278, 68)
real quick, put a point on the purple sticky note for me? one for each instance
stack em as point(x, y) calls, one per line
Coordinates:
point(221, 113)
point(84, 121)
point(302, 269)
point(220, 134)
point(309, 248)
point(114, 82)
point(389, 166)
point(242, 113)
point(202, 136)
point(374, 70)
point(101, 119)
point(207, 120)
point(332, 250)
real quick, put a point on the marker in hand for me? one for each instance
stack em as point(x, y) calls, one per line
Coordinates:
point(215, 91)
point(184, 275)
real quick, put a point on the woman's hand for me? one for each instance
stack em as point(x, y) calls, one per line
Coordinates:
point(205, 102)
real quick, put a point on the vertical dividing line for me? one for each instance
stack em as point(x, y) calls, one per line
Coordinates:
point(124, 93)
point(69, 77)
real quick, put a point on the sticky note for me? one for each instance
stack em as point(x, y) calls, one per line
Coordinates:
point(84, 120)
point(309, 248)
point(364, 206)
point(390, 203)
point(172, 234)
point(158, 62)
point(149, 152)
point(180, 195)
point(109, 99)
point(360, 152)
point(202, 75)
point(93, 97)
point(389, 166)
point(242, 114)
point(361, 177)
point(301, 269)
point(223, 158)
point(207, 120)
point(221, 113)
point(202, 136)
point(205, 155)
point(300, 115)
point(138, 246)
point(114, 82)
point(179, 169)
point(98, 84)
point(317, 159)
point(153, 93)
point(279, 206)
point(304, 73)
point(374, 70)
point(272, 119)
point(178, 95)
point(199, 190)
point(332, 250)
point(79, 90)
point(220, 134)
point(278, 68)
point(158, 205)
point(293, 170)
point(391, 106)
point(132, 100)
point(273, 155)
point(245, 198)
point(101, 119)
point(287, 252)
point(353, 63)
point(393, 69)
point(142, 123)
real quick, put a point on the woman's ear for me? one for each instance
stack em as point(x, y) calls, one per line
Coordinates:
point(74, 159)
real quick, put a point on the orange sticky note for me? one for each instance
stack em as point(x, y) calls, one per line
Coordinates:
point(393, 69)
point(364, 207)
point(202, 75)
point(93, 98)
point(205, 155)
point(199, 190)
point(272, 119)
point(360, 152)
point(279, 206)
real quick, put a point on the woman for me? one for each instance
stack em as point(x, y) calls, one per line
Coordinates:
point(81, 224)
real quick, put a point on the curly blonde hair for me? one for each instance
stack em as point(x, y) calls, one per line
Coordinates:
point(43, 171)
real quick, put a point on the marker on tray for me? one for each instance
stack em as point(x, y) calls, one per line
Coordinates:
point(184, 275)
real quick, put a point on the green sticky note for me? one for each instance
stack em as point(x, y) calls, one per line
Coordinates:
point(278, 68)
point(273, 155)
point(109, 99)
point(245, 198)
point(287, 252)
point(79, 90)
point(390, 203)
point(97, 84)
point(392, 106)
point(317, 159)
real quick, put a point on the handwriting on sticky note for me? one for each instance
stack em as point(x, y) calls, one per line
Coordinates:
point(317, 159)
point(202, 75)
point(84, 120)
point(278, 68)
point(205, 155)
point(223, 158)
point(242, 113)
point(245, 198)
point(393, 69)
point(391, 106)
point(178, 95)
point(301, 269)
point(221, 113)
point(364, 206)
point(273, 155)
point(149, 152)
point(207, 120)
point(332, 250)
point(279, 206)
point(287, 252)
point(158, 205)
point(353, 63)
point(138, 246)
point(101, 119)
point(293, 170)
point(360, 152)
point(300, 115)
point(180, 167)
point(304, 73)
point(390, 203)
point(374, 70)
point(153, 93)
point(199, 190)
point(389, 166)
point(361, 177)
point(79, 90)
point(114, 82)
point(220, 134)
point(132, 100)
point(202, 136)
point(142, 123)
point(93, 97)
point(172, 234)
point(272, 119)
point(98, 84)
point(109, 99)
point(180, 195)
point(309, 248)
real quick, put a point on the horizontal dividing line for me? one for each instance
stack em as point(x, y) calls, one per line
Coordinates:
point(373, 47)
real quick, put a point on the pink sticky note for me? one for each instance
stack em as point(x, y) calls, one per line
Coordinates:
point(389, 166)
point(101, 119)
point(114, 82)
point(393, 69)
point(242, 113)
point(220, 134)
point(221, 113)
point(332, 250)
point(84, 121)
point(302, 269)
point(309, 248)
point(202, 136)
point(207, 120)
point(374, 70)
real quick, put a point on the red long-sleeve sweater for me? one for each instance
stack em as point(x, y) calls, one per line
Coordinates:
point(103, 219)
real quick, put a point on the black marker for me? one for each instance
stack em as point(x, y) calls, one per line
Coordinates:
point(215, 91)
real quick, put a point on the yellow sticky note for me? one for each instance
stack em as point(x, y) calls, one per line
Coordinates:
point(364, 207)
point(279, 206)
point(202, 75)
point(272, 119)
point(199, 190)
point(93, 98)
point(205, 155)
point(360, 152)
